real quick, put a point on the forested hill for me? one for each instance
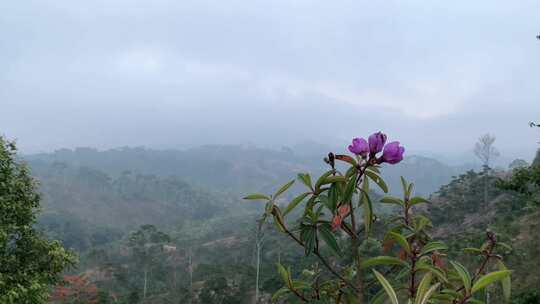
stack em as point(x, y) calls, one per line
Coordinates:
point(237, 169)
point(85, 207)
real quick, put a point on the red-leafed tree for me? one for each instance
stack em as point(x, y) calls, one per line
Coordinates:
point(75, 289)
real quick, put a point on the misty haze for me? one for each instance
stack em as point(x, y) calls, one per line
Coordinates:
point(253, 152)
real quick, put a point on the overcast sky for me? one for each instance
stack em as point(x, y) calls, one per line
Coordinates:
point(179, 73)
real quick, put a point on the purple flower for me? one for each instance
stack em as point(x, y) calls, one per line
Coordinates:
point(376, 142)
point(359, 146)
point(392, 153)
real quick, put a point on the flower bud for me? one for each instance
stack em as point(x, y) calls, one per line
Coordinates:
point(376, 142)
point(392, 153)
point(359, 146)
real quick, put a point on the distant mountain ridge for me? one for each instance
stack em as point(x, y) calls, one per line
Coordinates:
point(239, 168)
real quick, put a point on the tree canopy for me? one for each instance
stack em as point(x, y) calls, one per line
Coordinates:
point(29, 263)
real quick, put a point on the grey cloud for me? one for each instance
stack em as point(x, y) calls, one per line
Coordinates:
point(181, 73)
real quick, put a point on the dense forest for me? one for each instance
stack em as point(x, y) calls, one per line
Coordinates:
point(149, 226)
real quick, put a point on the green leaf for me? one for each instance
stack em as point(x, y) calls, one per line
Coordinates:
point(423, 287)
point(305, 178)
point(334, 179)
point(404, 185)
point(257, 196)
point(504, 245)
point(463, 274)
point(374, 169)
point(285, 275)
point(472, 250)
point(429, 293)
point(391, 200)
point(417, 200)
point(278, 294)
point(420, 222)
point(410, 189)
point(401, 240)
point(328, 237)
point(297, 200)
point(379, 297)
point(506, 282)
point(307, 235)
point(349, 190)
point(378, 180)
point(387, 287)
point(368, 207)
point(333, 196)
point(382, 260)
point(321, 179)
point(303, 285)
point(283, 189)
point(490, 278)
point(436, 271)
point(432, 246)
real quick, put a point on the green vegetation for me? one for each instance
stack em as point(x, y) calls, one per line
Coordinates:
point(187, 237)
point(337, 221)
point(29, 262)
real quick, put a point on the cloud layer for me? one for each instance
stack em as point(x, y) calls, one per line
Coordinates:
point(169, 73)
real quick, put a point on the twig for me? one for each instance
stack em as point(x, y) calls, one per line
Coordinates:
point(325, 263)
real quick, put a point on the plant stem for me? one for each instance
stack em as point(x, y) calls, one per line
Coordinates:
point(323, 260)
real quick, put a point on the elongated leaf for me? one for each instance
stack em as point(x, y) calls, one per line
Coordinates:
point(257, 196)
point(423, 287)
point(302, 285)
point(368, 207)
point(506, 282)
point(379, 298)
point(334, 179)
point(391, 200)
point(473, 250)
point(328, 237)
point(278, 294)
point(333, 197)
point(432, 246)
point(420, 222)
point(297, 200)
point(463, 274)
point(404, 185)
point(278, 218)
point(285, 275)
point(368, 213)
point(489, 279)
point(436, 271)
point(382, 260)
point(387, 287)
point(305, 178)
point(351, 171)
point(349, 191)
point(374, 169)
point(283, 189)
point(321, 179)
point(429, 293)
point(347, 159)
point(504, 245)
point(308, 237)
point(410, 190)
point(401, 240)
point(378, 180)
point(417, 200)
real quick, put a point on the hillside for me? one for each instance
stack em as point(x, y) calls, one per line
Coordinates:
point(462, 214)
point(85, 207)
point(238, 169)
